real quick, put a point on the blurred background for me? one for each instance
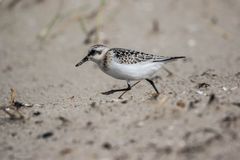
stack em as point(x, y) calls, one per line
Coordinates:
point(42, 40)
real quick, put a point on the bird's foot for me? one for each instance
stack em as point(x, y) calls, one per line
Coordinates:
point(108, 92)
point(155, 95)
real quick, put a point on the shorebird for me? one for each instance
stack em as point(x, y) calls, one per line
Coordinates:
point(126, 64)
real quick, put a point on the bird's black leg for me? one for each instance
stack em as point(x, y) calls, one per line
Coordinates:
point(118, 90)
point(128, 90)
point(152, 83)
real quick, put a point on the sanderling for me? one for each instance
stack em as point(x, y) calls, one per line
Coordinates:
point(126, 64)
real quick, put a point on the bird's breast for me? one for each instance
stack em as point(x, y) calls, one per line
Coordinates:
point(130, 71)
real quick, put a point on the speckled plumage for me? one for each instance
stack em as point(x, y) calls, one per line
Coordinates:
point(107, 60)
point(126, 64)
point(128, 56)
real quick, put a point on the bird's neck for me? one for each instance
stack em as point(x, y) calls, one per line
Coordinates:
point(99, 60)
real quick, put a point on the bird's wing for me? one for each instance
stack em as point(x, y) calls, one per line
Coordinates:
point(128, 56)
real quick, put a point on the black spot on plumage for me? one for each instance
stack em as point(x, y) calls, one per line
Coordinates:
point(130, 56)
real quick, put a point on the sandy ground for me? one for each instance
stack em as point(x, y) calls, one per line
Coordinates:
point(196, 116)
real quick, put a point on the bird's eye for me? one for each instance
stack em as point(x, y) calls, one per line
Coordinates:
point(92, 53)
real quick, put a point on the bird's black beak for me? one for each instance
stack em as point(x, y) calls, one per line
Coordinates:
point(82, 61)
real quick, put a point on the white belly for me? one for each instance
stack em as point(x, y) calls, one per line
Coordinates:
point(132, 71)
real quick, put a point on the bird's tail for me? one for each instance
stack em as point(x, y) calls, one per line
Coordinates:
point(168, 59)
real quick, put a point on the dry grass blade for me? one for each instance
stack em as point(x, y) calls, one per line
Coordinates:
point(93, 35)
point(90, 34)
point(12, 108)
point(12, 96)
point(83, 25)
point(13, 3)
point(99, 19)
point(162, 101)
point(12, 112)
point(45, 32)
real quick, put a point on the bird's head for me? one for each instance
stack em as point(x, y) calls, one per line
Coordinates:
point(95, 54)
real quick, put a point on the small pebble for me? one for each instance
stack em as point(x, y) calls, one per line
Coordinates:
point(181, 104)
point(107, 146)
point(212, 98)
point(124, 101)
point(37, 113)
point(93, 104)
point(65, 151)
point(46, 135)
point(89, 123)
